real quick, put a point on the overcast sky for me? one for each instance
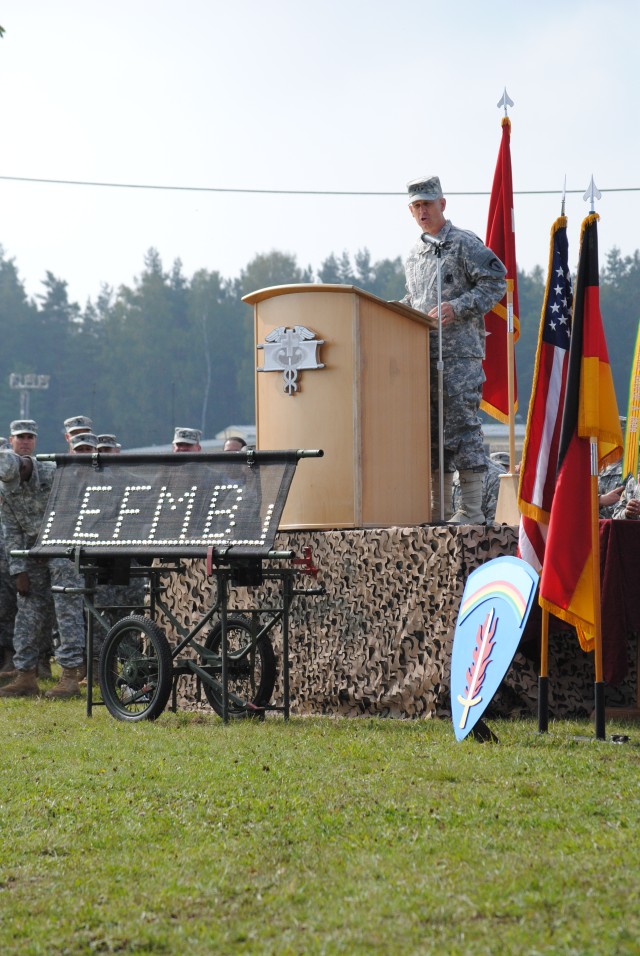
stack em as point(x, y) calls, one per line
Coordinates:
point(342, 95)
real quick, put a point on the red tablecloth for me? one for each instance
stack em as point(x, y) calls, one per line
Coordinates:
point(620, 577)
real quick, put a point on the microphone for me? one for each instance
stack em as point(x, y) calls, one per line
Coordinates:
point(436, 243)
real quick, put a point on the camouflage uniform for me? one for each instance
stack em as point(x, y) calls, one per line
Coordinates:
point(7, 593)
point(7, 603)
point(631, 490)
point(609, 478)
point(473, 280)
point(23, 506)
point(490, 489)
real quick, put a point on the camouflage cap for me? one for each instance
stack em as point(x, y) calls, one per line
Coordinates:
point(107, 441)
point(24, 426)
point(187, 436)
point(77, 423)
point(426, 189)
point(83, 438)
point(4, 443)
point(9, 467)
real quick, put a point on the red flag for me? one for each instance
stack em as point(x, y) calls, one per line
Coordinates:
point(590, 410)
point(542, 438)
point(501, 239)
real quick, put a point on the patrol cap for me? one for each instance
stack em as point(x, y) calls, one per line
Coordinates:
point(83, 438)
point(187, 436)
point(501, 457)
point(77, 423)
point(4, 443)
point(9, 467)
point(107, 441)
point(23, 426)
point(426, 189)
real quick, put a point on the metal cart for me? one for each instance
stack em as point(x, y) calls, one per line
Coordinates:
point(155, 511)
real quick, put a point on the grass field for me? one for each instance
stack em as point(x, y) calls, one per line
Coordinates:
point(313, 836)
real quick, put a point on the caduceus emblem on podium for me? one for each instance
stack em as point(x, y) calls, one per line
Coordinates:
point(289, 351)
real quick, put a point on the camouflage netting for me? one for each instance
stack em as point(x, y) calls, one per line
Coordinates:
point(379, 640)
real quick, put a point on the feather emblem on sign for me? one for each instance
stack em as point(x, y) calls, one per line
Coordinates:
point(481, 660)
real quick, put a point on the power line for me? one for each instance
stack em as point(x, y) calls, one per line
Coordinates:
point(291, 192)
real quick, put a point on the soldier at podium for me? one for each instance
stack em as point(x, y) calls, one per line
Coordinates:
point(473, 281)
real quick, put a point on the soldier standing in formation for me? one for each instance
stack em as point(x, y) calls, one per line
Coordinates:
point(7, 601)
point(25, 484)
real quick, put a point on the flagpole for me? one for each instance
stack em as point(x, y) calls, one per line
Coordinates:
point(511, 378)
point(592, 194)
point(543, 677)
point(599, 708)
point(506, 102)
point(499, 393)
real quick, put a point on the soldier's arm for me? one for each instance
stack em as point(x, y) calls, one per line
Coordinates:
point(628, 501)
point(486, 276)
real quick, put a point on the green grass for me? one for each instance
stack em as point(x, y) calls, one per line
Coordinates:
point(316, 836)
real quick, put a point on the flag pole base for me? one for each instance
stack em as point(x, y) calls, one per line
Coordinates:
point(543, 705)
point(599, 710)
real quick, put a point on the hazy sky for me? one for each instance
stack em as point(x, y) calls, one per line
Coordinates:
point(344, 95)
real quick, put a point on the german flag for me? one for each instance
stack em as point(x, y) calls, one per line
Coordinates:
point(590, 411)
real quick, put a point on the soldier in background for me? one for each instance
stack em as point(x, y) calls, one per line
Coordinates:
point(235, 443)
point(25, 485)
point(23, 436)
point(473, 281)
point(107, 445)
point(76, 425)
point(610, 484)
point(8, 604)
point(629, 505)
point(187, 439)
point(83, 443)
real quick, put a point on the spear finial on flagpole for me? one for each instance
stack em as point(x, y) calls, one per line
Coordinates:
point(592, 194)
point(564, 195)
point(505, 101)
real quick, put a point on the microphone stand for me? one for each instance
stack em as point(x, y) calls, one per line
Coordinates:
point(437, 247)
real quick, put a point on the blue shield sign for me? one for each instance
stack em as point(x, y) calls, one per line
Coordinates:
point(495, 606)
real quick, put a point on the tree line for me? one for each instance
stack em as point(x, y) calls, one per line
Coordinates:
point(171, 350)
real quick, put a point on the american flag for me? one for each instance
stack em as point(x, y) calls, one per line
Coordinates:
point(540, 454)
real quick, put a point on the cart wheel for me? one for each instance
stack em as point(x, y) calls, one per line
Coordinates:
point(136, 669)
point(251, 672)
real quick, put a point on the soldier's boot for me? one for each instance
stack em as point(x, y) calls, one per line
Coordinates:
point(67, 686)
point(471, 488)
point(25, 684)
point(435, 495)
point(7, 669)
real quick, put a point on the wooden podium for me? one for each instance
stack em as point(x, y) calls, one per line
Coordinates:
point(367, 407)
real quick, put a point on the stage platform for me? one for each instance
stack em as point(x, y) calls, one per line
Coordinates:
point(378, 642)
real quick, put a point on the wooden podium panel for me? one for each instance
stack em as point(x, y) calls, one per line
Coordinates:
point(368, 408)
